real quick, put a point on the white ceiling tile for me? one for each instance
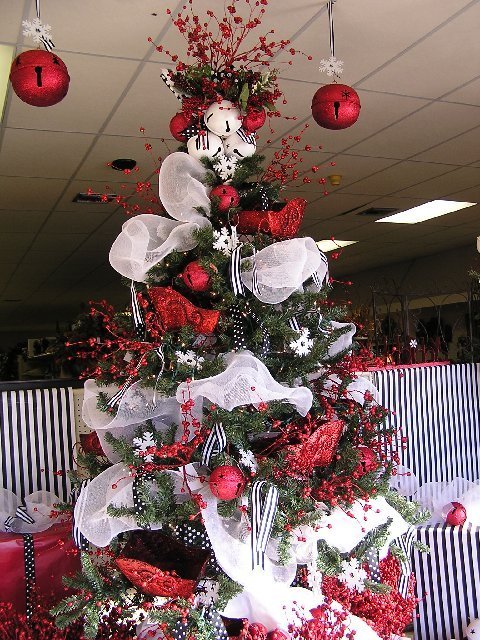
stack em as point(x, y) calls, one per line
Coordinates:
point(12, 16)
point(40, 194)
point(52, 241)
point(21, 221)
point(469, 94)
point(462, 149)
point(440, 187)
point(17, 242)
point(82, 222)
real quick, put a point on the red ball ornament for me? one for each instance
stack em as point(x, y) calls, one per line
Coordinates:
point(178, 124)
point(195, 277)
point(367, 460)
point(457, 515)
point(39, 78)
point(227, 196)
point(254, 119)
point(227, 482)
point(336, 106)
point(91, 444)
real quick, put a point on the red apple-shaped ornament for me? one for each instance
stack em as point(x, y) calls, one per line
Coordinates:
point(336, 106)
point(227, 482)
point(39, 78)
point(456, 514)
point(227, 196)
point(195, 277)
point(254, 119)
point(178, 124)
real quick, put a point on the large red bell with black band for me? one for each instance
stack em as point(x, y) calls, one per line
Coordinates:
point(336, 106)
point(39, 78)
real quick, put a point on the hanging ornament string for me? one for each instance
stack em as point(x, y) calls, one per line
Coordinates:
point(332, 66)
point(38, 31)
point(330, 24)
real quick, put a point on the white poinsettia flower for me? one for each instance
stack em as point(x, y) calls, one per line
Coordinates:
point(353, 575)
point(303, 344)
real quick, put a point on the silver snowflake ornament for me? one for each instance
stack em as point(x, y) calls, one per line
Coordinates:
point(37, 30)
point(143, 443)
point(332, 66)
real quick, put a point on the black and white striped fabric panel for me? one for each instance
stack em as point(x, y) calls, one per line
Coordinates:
point(438, 410)
point(450, 577)
point(37, 435)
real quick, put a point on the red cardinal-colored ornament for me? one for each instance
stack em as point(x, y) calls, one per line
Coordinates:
point(227, 196)
point(227, 482)
point(178, 124)
point(161, 566)
point(335, 106)
point(195, 277)
point(175, 311)
point(457, 515)
point(39, 78)
point(278, 224)
point(254, 119)
point(317, 451)
point(91, 444)
point(367, 460)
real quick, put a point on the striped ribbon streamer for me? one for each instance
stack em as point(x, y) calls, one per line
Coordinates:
point(117, 397)
point(22, 514)
point(405, 543)
point(214, 444)
point(246, 137)
point(264, 500)
point(9, 520)
point(47, 42)
point(293, 322)
point(137, 314)
point(78, 538)
point(330, 22)
point(316, 278)
point(238, 287)
point(29, 560)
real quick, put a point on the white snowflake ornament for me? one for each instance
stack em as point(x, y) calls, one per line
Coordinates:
point(413, 344)
point(225, 167)
point(224, 241)
point(247, 459)
point(37, 30)
point(353, 575)
point(143, 443)
point(303, 344)
point(189, 359)
point(332, 66)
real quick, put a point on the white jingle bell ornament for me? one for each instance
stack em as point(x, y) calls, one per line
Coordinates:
point(472, 632)
point(240, 145)
point(223, 118)
point(205, 145)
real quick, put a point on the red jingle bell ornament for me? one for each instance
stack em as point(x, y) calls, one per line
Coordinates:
point(254, 119)
point(39, 78)
point(91, 444)
point(227, 482)
point(455, 514)
point(227, 196)
point(336, 106)
point(195, 277)
point(178, 124)
point(367, 460)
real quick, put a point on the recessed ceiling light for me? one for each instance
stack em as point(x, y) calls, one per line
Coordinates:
point(426, 211)
point(331, 245)
point(6, 55)
point(123, 164)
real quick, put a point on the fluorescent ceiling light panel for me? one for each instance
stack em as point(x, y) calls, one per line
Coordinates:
point(427, 211)
point(6, 55)
point(331, 245)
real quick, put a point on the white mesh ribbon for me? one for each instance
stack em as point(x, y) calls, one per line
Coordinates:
point(32, 515)
point(147, 239)
point(438, 496)
point(282, 268)
point(346, 532)
point(137, 405)
point(344, 341)
point(356, 389)
point(245, 381)
point(404, 481)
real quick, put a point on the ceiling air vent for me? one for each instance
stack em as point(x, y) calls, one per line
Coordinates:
point(377, 212)
point(87, 198)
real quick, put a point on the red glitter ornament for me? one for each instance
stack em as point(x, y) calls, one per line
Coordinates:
point(254, 119)
point(368, 460)
point(227, 482)
point(195, 277)
point(457, 515)
point(335, 106)
point(161, 566)
point(278, 224)
point(277, 634)
point(317, 451)
point(227, 197)
point(91, 444)
point(178, 124)
point(175, 311)
point(39, 78)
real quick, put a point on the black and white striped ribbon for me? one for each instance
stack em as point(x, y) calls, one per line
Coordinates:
point(137, 314)
point(264, 500)
point(330, 23)
point(214, 444)
point(22, 514)
point(9, 520)
point(47, 42)
point(316, 278)
point(293, 322)
point(405, 543)
point(29, 561)
point(372, 558)
point(117, 397)
point(78, 538)
point(249, 138)
point(238, 287)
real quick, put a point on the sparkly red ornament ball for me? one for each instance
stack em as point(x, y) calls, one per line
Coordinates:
point(227, 482)
point(457, 515)
point(39, 78)
point(227, 195)
point(336, 106)
point(254, 119)
point(195, 277)
point(367, 460)
point(178, 124)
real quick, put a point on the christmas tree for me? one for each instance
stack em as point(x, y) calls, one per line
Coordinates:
point(238, 484)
